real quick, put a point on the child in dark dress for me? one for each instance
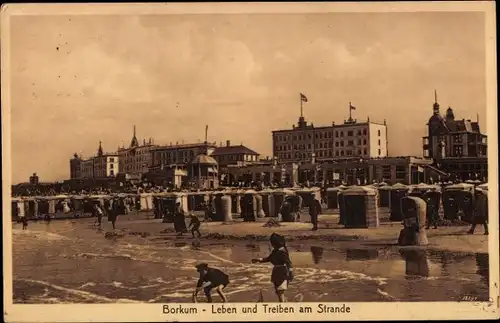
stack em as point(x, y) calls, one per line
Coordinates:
point(195, 224)
point(282, 273)
point(211, 278)
point(24, 220)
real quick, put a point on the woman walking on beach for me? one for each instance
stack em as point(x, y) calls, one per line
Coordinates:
point(282, 273)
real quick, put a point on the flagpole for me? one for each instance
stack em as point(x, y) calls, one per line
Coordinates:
point(301, 108)
point(350, 111)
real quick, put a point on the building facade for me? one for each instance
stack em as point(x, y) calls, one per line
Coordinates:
point(34, 179)
point(87, 168)
point(75, 167)
point(105, 164)
point(179, 154)
point(406, 170)
point(234, 155)
point(136, 159)
point(264, 172)
point(352, 139)
point(457, 146)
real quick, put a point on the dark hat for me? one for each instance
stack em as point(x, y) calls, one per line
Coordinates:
point(202, 266)
point(277, 239)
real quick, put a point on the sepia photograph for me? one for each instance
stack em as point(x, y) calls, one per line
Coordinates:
point(249, 161)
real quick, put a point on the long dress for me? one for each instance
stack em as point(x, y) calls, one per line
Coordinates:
point(180, 221)
point(282, 267)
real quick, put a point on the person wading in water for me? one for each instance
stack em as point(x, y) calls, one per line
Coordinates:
point(282, 273)
point(211, 278)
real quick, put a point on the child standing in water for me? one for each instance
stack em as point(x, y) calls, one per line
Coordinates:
point(211, 278)
point(282, 273)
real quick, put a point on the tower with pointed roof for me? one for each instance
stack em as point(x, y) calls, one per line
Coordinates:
point(99, 150)
point(134, 142)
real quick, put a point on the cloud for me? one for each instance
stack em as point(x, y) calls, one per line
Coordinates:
point(240, 74)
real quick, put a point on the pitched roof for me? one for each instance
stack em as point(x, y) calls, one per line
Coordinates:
point(232, 150)
point(204, 160)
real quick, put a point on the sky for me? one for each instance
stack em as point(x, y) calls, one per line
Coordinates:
point(78, 80)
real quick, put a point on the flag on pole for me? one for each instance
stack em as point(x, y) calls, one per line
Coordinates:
point(351, 107)
point(303, 98)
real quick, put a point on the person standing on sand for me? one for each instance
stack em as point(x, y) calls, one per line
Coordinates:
point(113, 214)
point(211, 278)
point(179, 220)
point(480, 213)
point(24, 220)
point(282, 273)
point(314, 211)
point(432, 214)
point(98, 213)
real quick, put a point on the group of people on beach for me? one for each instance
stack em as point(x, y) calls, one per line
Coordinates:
point(282, 274)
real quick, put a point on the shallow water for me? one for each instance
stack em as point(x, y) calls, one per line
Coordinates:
point(72, 262)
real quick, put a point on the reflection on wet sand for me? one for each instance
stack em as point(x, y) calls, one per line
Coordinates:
point(140, 269)
point(482, 263)
point(361, 254)
point(317, 254)
point(417, 264)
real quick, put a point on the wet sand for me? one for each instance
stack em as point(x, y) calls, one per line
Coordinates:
point(71, 261)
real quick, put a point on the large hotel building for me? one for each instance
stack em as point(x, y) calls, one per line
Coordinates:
point(352, 139)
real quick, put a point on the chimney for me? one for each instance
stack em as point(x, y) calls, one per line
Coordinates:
point(228, 143)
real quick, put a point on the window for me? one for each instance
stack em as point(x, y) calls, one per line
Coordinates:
point(336, 133)
point(400, 172)
point(294, 137)
point(458, 151)
point(350, 143)
point(342, 144)
point(359, 141)
point(111, 166)
point(364, 141)
point(111, 160)
point(379, 152)
point(111, 173)
point(337, 153)
point(341, 153)
point(309, 146)
point(379, 142)
point(386, 172)
point(349, 152)
point(379, 132)
point(342, 134)
point(336, 144)
point(364, 132)
point(359, 152)
point(366, 152)
point(349, 133)
point(359, 132)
